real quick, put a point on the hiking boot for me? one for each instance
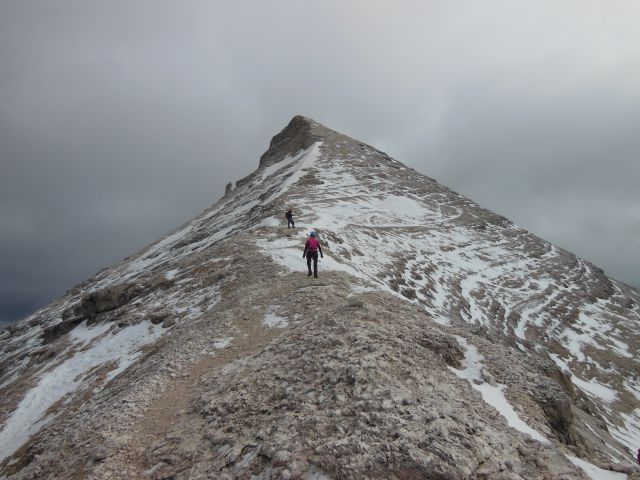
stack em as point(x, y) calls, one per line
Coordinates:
point(315, 276)
point(309, 274)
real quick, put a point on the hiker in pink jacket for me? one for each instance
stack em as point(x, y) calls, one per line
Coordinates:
point(311, 249)
point(639, 456)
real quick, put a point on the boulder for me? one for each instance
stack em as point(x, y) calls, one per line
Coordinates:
point(109, 299)
point(53, 332)
point(447, 347)
point(558, 409)
point(100, 301)
point(168, 322)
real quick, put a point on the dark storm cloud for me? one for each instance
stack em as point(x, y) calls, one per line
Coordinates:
point(121, 120)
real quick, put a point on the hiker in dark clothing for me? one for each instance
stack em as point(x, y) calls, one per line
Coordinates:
point(289, 215)
point(639, 456)
point(311, 249)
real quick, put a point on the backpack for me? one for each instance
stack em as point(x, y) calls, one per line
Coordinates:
point(312, 244)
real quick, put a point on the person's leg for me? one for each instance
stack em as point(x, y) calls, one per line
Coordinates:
point(309, 263)
point(315, 265)
point(293, 224)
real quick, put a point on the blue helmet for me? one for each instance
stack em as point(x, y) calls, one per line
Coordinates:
point(313, 233)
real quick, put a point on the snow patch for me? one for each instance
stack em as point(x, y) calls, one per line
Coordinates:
point(84, 333)
point(591, 387)
point(595, 473)
point(308, 157)
point(271, 320)
point(629, 434)
point(122, 347)
point(288, 253)
point(282, 164)
point(223, 343)
point(269, 222)
point(493, 395)
point(285, 251)
point(171, 274)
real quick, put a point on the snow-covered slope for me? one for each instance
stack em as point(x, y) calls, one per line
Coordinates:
point(523, 328)
point(462, 263)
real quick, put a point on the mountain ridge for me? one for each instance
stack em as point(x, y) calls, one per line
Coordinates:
point(422, 293)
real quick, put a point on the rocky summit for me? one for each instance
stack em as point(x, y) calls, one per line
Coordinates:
point(440, 341)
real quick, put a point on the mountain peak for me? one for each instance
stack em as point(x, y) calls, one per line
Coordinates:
point(300, 133)
point(439, 341)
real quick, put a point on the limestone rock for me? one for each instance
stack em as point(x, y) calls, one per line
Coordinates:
point(440, 341)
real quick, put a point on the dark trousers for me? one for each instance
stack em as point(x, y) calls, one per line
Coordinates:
point(314, 256)
point(290, 223)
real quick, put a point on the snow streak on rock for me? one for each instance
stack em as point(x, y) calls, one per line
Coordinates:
point(492, 394)
point(89, 348)
point(596, 473)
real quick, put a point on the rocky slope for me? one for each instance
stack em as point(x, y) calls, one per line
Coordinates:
point(440, 341)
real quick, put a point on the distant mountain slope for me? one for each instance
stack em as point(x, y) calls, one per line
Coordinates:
point(440, 341)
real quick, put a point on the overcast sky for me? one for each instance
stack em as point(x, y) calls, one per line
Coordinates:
point(120, 120)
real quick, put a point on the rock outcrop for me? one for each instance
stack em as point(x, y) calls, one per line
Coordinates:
point(298, 135)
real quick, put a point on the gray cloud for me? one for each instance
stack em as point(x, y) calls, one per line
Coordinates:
point(121, 120)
